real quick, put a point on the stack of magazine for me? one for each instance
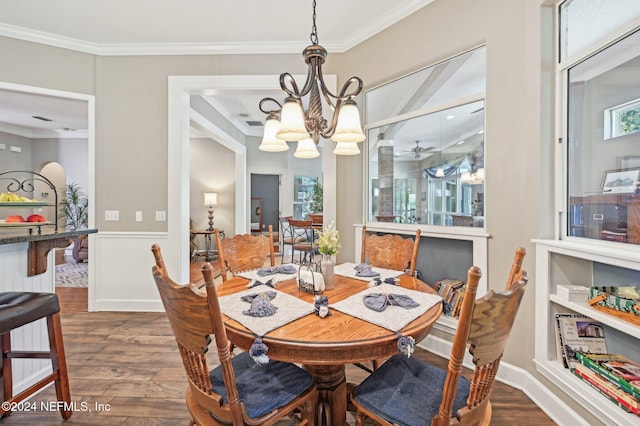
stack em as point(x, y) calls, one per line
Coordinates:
point(582, 347)
point(613, 375)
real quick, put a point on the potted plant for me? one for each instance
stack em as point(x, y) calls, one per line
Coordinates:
point(316, 200)
point(74, 208)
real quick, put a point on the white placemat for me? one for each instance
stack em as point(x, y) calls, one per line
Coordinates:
point(346, 270)
point(393, 317)
point(275, 278)
point(290, 308)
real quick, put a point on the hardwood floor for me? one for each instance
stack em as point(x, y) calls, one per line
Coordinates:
point(126, 368)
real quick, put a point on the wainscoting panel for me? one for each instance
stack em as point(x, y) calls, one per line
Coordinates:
point(120, 271)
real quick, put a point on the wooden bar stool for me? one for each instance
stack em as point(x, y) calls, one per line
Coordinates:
point(20, 308)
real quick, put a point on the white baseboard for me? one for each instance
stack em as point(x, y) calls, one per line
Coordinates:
point(128, 305)
point(518, 378)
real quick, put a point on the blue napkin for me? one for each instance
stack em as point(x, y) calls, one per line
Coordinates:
point(271, 270)
point(287, 269)
point(261, 305)
point(255, 283)
point(380, 301)
point(367, 272)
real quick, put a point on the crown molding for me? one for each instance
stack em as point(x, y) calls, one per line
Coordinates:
point(231, 48)
point(29, 133)
point(12, 129)
point(158, 49)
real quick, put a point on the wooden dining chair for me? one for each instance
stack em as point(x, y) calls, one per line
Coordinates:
point(238, 391)
point(304, 240)
point(390, 251)
point(244, 252)
point(286, 236)
point(410, 391)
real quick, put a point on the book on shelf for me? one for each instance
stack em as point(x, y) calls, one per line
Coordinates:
point(578, 333)
point(608, 389)
point(616, 368)
point(451, 291)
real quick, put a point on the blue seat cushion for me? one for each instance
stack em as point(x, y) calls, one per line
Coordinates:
point(264, 387)
point(407, 391)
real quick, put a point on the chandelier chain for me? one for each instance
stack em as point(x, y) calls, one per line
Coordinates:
point(314, 28)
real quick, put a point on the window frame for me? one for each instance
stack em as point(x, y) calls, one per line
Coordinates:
point(562, 68)
point(368, 190)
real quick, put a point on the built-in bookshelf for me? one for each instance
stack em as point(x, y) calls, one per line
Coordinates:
point(575, 263)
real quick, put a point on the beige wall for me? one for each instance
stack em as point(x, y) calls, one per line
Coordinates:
point(212, 170)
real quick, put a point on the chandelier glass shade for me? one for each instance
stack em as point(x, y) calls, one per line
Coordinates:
point(306, 149)
point(296, 124)
point(346, 148)
point(270, 143)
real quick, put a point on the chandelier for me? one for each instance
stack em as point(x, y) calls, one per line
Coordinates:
point(306, 127)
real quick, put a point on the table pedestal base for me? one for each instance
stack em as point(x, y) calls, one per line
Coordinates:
point(332, 388)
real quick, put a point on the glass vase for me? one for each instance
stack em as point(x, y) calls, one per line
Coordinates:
point(326, 267)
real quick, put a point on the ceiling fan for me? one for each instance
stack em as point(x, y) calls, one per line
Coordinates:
point(418, 150)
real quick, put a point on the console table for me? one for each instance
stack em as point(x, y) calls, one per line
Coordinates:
point(208, 245)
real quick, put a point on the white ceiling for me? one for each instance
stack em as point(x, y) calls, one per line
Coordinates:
point(206, 26)
point(124, 27)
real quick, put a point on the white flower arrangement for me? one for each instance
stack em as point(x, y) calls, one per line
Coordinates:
point(328, 239)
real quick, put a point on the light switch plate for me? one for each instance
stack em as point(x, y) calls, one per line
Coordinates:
point(138, 216)
point(161, 215)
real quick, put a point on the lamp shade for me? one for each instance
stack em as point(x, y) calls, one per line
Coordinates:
point(292, 126)
point(346, 148)
point(348, 128)
point(270, 142)
point(210, 199)
point(306, 149)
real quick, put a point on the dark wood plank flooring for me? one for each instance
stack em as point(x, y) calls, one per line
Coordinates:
point(127, 363)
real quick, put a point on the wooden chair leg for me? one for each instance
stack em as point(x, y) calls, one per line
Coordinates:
point(59, 363)
point(7, 378)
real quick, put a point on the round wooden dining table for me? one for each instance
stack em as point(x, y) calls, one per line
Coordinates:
point(325, 345)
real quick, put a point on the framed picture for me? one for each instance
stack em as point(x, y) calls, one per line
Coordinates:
point(620, 181)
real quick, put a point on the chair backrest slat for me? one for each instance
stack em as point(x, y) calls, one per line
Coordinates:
point(244, 252)
point(484, 327)
point(194, 316)
point(390, 251)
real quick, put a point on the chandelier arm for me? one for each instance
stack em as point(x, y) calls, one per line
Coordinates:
point(313, 71)
point(265, 100)
point(286, 77)
point(328, 132)
point(356, 92)
point(343, 92)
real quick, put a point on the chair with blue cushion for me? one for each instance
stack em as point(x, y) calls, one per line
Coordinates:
point(408, 391)
point(238, 391)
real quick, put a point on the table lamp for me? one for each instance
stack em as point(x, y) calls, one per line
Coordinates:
point(210, 199)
